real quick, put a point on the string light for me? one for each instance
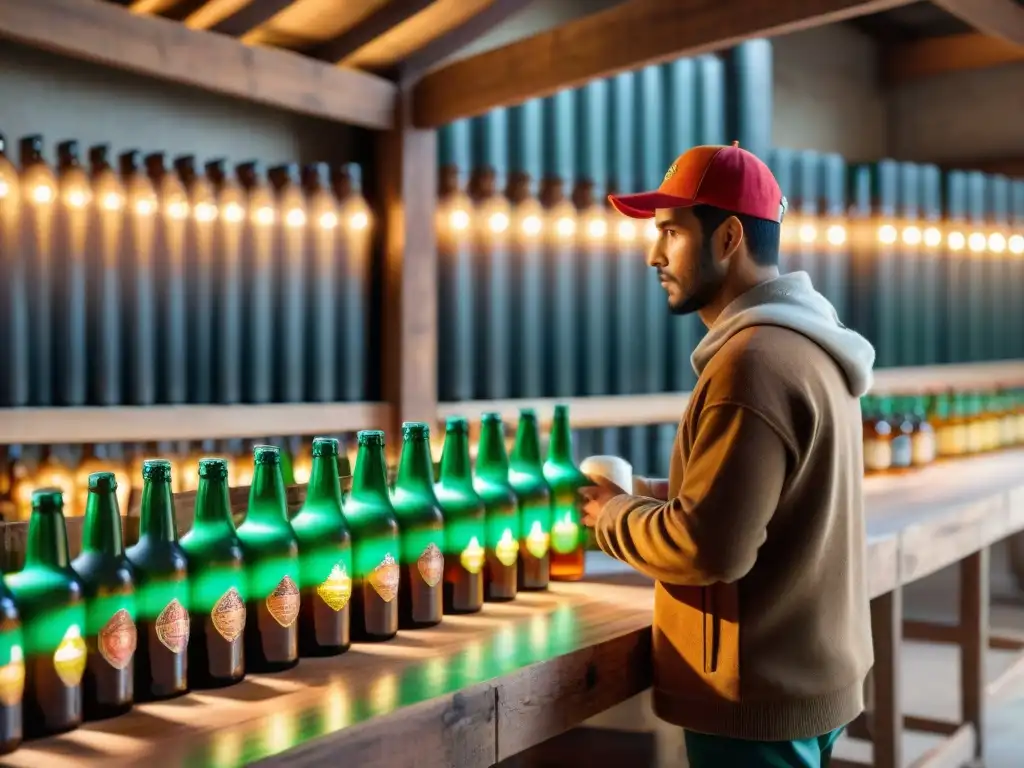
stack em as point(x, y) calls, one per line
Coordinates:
point(205, 212)
point(294, 218)
point(836, 234)
point(498, 222)
point(976, 242)
point(996, 242)
point(651, 231)
point(42, 194)
point(956, 241)
point(458, 220)
point(1016, 244)
point(887, 234)
point(233, 213)
point(626, 230)
point(75, 198)
point(597, 228)
point(532, 225)
point(328, 220)
point(4, 189)
point(264, 216)
point(177, 210)
point(111, 201)
point(360, 220)
point(932, 237)
point(145, 206)
point(807, 233)
point(912, 236)
point(565, 226)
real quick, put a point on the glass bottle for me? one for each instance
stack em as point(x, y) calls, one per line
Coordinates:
point(49, 597)
point(568, 544)
point(973, 424)
point(502, 511)
point(464, 516)
point(526, 476)
point(1007, 420)
point(877, 437)
point(325, 558)
point(894, 409)
point(12, 672)
point(161, 591)
point(217, 581)
point(272, 564)
point(110, 606)
point(421, 527)
point(924, 441)
point(375, 543)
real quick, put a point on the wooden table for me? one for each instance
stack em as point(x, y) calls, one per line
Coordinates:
point(481, 688)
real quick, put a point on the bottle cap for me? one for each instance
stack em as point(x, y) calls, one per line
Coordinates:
point(415, 430)
point(266, 454)
point(456, 424)
point(47, 500)
point(102, 482)
point(156, 469)
point(527, 414)
point(491, 417)
point(561, 410)
point(213, 469)
point(325, 446)
point(370, 437)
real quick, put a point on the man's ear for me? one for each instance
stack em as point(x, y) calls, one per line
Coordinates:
point(730, 238)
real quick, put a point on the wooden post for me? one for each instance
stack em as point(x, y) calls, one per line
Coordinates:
point(887, 711)
point(407, 164)
point(974, 640)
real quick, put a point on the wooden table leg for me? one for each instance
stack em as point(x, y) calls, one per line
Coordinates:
point(887, 711)
point(974, 639)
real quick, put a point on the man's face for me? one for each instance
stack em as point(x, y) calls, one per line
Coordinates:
point(684, 259)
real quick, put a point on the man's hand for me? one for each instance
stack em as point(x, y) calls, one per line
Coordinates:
point(595, 497)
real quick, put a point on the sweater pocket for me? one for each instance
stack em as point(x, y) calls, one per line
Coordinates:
point(712, 630)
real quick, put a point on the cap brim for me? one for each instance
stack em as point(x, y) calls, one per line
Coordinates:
point(643, 204)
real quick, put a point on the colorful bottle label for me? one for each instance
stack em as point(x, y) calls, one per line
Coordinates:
point(537, 541)
point(507, 549)
point(117, 639)
point(951, 440)
point(12, 678)
point(923, 448)
point(283, 602)
point(430, 564)
point(228, 615)
point(173, 627)
point(384, 578)
point(472, 557)
point(565, 535)
point(336, 589)
point(902, 451)
point(877, 455)
point(69, 658)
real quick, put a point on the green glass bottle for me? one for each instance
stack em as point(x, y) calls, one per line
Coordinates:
point(421, 528)
point(325, 558)
point(464, 522)
point(565, 480)
point(272, 564)
point(217, 581)
point(50, 599)
point(12, 672)
point(375, 543)
point(501, 511)
point(110, 608)
point(526, 475)
point(161, 591)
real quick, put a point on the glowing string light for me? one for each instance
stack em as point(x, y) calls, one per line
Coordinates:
point(295, 218)
point(565, 227)
point(996, 242)
point(1016, 244)
point(887, 234)
point(976, 242)
point(360, 220)
point(458, 220)
point(205, 212)
point(264, 216)
point(498, 222)
point(836, 234)
point(233, 213)
point(532, 225)
point(597, 228)
point(932, 237)
point(956, 241)
point(912, 236)
point(43, 194)
point(328, 220)
point(807, 233)
point(111, 201)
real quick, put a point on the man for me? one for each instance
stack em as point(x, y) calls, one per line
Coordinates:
point(762, 636)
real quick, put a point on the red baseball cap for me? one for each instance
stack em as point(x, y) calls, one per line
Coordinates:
point(729, 178)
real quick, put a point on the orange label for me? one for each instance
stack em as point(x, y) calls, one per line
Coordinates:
point(173, 626)
point(431, 565)
point(283, 602)
point(384, 579)
point(228, 615)
point(12, 678)
point(69, 658)
point(336, 589)
point(117, 640)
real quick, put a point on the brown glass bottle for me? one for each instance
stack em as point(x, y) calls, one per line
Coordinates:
point(12, 672)
point(877, 438)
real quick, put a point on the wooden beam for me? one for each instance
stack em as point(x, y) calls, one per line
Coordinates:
point(592, 47)
point(249, 16)
point(385, 17)
point(999, 18)
point(92, 30)
point(919, 59)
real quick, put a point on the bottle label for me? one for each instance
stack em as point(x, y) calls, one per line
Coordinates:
point(69, 659)
point(430, 564)
point(902, 451)
point(384, 578)
point(173, 627)
point(228, 615)
point(336, 588)
point(472, 557)
point(565, 536)
point(924, 448)
point(117, 640)
point(877, 455)
point(12, 678)
point(507, 549)
point(951, 441)
point(283, 602)
point(537, 541)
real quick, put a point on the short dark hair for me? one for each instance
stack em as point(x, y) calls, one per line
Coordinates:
point(762, 235)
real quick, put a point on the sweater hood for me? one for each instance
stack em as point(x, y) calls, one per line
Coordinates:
point(790, 301)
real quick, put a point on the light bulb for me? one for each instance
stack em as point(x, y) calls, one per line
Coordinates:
point(4, 189)
point(565, 227)
point(145, 206)
point(205, 212)
point(111, 201)
point(264, 215)
point(233, 212)
point(1016, 244)
point(328, 220)
point(976, 242)
point(498, 222)
point(177, 210)
point(360, 220)
point(996, 242)
point(956, 241)
point(808, 233)
point(912, 236)
point(459, 219)
point(932, 237)
point(295, 217)
point(532, 225)
point(42, 194)
point(597, 228)
point(836, 234)
point(651, 231)
point(887, 234)
point(76, 198)
point(626, 230)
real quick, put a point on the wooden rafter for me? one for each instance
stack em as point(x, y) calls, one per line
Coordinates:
point(104, 33)
point(593, 47)
point(919, 59)
point(249, 16)
point(999, 18)
point(386, 17)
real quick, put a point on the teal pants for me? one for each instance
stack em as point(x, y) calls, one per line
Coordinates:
point(719, 752)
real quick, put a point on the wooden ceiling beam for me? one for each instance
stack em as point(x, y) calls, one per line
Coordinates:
point(998, 18)
point(384, 18)
point(628, 36)
point(249, 16)
point(919, 59)
point(100, 32)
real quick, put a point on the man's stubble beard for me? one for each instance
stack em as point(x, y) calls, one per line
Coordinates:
point(707, 282)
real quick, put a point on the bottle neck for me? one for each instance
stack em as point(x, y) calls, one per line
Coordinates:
point(560, 441)
point(267, 501)
point(491, 457)
point(416, 467)
point(47, 540)
point(101, 531)
point(526, 451)
point(157, 515)
point(370, 478)
point(456, 468)
point(324, 481)
point(213, 502)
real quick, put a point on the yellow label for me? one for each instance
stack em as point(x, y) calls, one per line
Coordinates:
point(283, 602)
point(565, 536)
point(12, 678)
point(228, 615)
point(430, 564)
point(537, 541)
point(173, 627)
point(384, 578)
point(472, 557)
point(336, 589)
point(951, 440)
point(507, 549)
point(69, 658)
point(117, 639)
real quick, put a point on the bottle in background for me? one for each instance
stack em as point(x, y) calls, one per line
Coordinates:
point(526, 475)
point(464, 515)
point(895, 410)
point(877, 437)
point(924, 440)
point(568, 543)
point(501, 511)
point(12, 672)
